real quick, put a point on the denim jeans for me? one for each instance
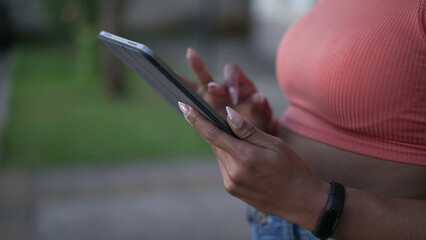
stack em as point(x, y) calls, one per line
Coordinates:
point(268, 227)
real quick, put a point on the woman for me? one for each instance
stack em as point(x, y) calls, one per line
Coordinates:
point(354, 73)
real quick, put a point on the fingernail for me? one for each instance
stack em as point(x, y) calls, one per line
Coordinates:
point(235, 118)
point(184, 108)
point(194, 60)
point(234, 95)
point(212, 85)
point(228, 70)
point(189, 52)
point(260, 98)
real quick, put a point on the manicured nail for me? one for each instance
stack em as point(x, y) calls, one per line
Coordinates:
point(260, 98)
point(184, 108)
point(228, 70)
point(194, 60)
point(235, 118)
point(189, 52)
point(212, 85)
point(234, 95)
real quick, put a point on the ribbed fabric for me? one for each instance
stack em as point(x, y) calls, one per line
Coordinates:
point(354, 73)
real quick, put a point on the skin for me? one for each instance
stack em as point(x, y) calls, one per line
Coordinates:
point(283, 174)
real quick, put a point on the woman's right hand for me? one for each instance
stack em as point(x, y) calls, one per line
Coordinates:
point(236, 91)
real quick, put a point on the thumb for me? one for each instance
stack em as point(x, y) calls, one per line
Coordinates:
point(244, 130)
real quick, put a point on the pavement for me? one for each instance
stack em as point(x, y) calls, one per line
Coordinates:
point(16, 206)
point(159, 202)
point(184, 201)
point(133, 201)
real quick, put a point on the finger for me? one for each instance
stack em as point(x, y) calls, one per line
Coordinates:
point(273, 127)
point(246, 131)
point(238, 83)
point(210, 132)
point(224, 161)
point(198, 67)
point(230, 76)
point(262, 112)
point(225, 174)
point(217, 90)
point(190, 83)
point(220, 162)
point(261, 106)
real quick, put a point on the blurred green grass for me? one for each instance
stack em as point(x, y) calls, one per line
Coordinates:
point(58, 119)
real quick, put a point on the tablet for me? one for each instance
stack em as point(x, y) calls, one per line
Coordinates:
point(161, 78)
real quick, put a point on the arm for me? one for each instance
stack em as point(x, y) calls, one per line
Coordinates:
point(263, 171)
point(369, 216)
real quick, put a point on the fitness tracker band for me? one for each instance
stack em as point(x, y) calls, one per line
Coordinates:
point(330, 216)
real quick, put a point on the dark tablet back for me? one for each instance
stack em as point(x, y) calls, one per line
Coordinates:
point(160, 77)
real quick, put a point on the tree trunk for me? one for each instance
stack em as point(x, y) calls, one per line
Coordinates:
point(111, 17)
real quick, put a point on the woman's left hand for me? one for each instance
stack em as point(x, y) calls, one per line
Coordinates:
point(261, 169)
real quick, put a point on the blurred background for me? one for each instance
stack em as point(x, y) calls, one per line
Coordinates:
point(87, 150)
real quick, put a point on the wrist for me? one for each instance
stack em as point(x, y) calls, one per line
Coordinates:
point(307, 204)
point(331, 213)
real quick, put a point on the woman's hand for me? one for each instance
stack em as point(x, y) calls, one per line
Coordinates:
point(237, 91)
point(261, 169)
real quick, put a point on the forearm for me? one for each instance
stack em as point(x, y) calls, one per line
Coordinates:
point(365, 215)
point(369, 216)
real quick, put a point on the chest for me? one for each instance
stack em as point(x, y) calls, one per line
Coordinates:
point(348, 60)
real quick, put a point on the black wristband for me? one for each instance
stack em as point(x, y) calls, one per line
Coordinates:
point(330, 216)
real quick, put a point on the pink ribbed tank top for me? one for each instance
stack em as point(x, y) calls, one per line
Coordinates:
point(354, 74)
